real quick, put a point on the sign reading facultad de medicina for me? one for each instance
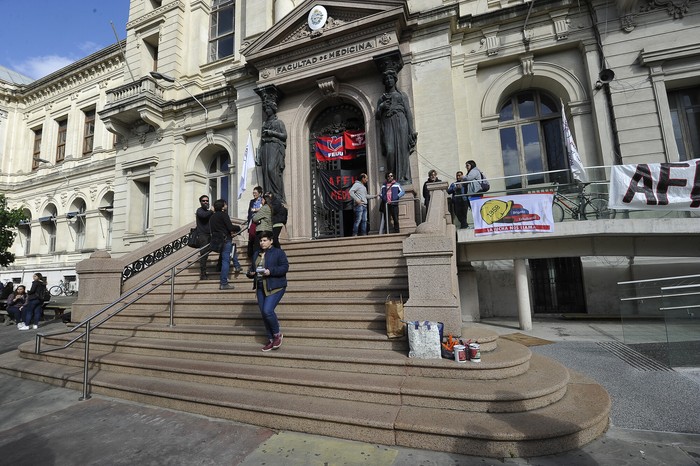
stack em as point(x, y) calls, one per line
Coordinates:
point(360, 47)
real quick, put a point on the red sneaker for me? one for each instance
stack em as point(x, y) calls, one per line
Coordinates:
point(277, 342)
point(267, 347)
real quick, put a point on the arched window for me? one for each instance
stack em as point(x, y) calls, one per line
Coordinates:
point(219, 177)
point(48, 227)
point(532, 141)
point(76, 219)
point(25, 232)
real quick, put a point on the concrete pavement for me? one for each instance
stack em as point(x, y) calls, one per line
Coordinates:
point(655, 420)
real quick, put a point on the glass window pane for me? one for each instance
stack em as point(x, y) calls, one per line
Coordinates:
point(223, 163)
point(526, 105)
point(506, 111)
point(690, 97)
point(511, 158)
point(678, 134)
point(548, 105)
point(225, 48)
point(694, 126)
point(533, 152)
point(225, 22)
point(555, 150)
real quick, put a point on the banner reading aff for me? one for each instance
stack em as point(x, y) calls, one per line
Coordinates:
point(656, 186)
point(510, 214)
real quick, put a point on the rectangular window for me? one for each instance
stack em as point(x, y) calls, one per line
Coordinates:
point(221, 29)
point(89, 132)
point(61, 140)
point(685, 114)
point(36, 153)
point(140, 206)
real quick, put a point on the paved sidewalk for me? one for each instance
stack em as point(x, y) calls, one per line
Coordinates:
point(655, 421)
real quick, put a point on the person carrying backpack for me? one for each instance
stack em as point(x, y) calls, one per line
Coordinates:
point(36, 296)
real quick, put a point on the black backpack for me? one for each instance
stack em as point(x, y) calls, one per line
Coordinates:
point(42, 293)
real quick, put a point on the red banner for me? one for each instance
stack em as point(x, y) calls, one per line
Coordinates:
point(354, 140)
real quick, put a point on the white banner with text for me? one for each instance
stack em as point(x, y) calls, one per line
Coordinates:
point(656, 186)
point(512, 214)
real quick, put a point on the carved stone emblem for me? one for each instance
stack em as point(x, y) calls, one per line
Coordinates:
point(317, 18)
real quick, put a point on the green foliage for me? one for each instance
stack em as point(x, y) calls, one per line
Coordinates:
point(8, 219)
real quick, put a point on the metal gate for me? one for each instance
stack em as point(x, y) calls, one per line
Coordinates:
point(329, 221)
point(558, 285)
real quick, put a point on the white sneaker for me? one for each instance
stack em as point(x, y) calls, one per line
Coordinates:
point(35, 327)
point(21, 326)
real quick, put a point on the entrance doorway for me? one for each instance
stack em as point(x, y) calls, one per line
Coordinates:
point(337, 157)
point(558, 285)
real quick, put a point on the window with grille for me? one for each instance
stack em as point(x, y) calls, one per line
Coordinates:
point(221, 29)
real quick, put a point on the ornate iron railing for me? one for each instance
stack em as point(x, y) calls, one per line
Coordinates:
point(153, 257)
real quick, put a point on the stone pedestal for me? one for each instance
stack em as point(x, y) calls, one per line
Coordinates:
point(100, 284)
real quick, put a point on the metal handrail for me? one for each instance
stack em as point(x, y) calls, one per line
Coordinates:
point(88, 323)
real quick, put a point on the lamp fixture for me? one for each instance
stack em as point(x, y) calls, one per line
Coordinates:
point(40, 160)
point(164, 77)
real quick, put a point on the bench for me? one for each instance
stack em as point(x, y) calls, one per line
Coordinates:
point(57, 309)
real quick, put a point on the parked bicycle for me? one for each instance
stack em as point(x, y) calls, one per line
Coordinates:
point(584, 206)
point(61, 289)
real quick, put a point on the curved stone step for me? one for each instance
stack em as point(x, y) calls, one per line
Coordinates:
point(525, 392)
point(577, 418)
point(508, 360)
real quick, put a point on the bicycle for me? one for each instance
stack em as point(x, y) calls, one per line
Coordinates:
point(595, 206)
point(61, 288)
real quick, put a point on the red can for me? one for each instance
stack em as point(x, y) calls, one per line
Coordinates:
point(474, 352)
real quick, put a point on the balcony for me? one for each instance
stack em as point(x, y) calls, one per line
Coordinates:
point(132, 106)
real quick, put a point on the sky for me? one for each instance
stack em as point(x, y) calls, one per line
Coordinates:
point(41, 36)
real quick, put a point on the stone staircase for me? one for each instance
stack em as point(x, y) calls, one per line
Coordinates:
point(337, 373)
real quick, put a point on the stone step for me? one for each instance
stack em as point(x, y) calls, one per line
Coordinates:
point(575, 419)
point(527, 391)
point(246, 315)
point(507, 360)
point(231, 299)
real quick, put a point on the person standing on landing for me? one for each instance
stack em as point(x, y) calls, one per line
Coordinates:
point(432, 178)
point(472, 187)
point(460, 202)
point(222, 231)
point(358, 193)
point(269, 271)
point(391, 193)
point(253, 208)
point(202, 216)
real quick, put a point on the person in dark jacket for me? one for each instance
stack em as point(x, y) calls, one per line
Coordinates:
point(269, 271)
point(253, 208)
point(222, 231)
point(32, 310)
point(390, 194)
point(432, 178)
point(202, 215)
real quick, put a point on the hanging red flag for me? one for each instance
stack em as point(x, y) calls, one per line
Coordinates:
point(354, 140)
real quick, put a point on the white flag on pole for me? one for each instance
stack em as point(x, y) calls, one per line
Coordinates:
point(248, 164)
point(574, 158)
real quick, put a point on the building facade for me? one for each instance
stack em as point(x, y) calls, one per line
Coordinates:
point(104, 154)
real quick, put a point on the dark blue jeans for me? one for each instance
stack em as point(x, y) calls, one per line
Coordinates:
point(267, 305)
point(32, 312)
point(225, 262)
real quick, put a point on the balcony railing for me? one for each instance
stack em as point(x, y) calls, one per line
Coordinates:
point(145, 85)
point(575, 201)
